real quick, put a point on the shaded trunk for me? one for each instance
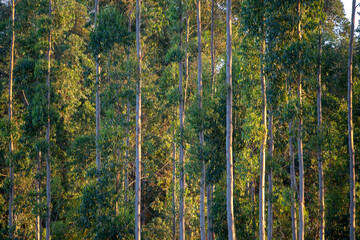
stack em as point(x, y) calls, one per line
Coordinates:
point(270, 178)
point(210, 232)
point(229, 127)
point(38, 186)
point(350, 127)
point(201, 132)
point(127, 118)
point(319, 135)
point(300, 147)
point(138, 128)
point(97, 137)
point(48, 170)
point(174, 190)
point(181, 157)
point(262, 223)
point(10, 112)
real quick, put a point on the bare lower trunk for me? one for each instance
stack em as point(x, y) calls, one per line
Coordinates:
point(262, 223)
point(181, 159)
point(174, 190)
point(229, 127)
point(97, 137)
point(293, 186)
point(253, 199)
point(138, 128)
point(350, 128)
point(210, 232)
point(48, 169)
point(319, 135)
point(10, 112)
point(201, 133)
point(270, 178)
point(38, 219)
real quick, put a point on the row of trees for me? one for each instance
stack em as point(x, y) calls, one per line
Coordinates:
point(137, 122)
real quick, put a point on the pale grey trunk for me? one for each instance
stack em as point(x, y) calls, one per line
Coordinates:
point(201, 133)
point(174, 190)
point(319, 135)
point(10, 112)
point(270, 178)
point(38, 219)
point(300, 147)
point(350, 128)
point(262, 223)
point(97, 137)
point(48, 170)
point(293, 185)
point(138, 128)
point(229, 127)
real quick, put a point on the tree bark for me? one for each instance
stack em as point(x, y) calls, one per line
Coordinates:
point(10, 112)
point(48, 165)
point(212, 48)
point(262, 223)
point(138, 128)
point(300, 147)
point(319, 136)
point(270, 178)
point(210, 232)
point(174, 190)
point(97, 137)
point(201, 132)
point(293, 185)
point(350, 127)
point(229, 127)
point(38, 219)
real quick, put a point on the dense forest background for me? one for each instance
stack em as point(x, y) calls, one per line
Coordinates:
point(75, 98)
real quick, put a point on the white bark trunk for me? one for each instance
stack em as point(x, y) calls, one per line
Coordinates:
point(138, 128)
point(174, 190)
point(270, 178)
point(229, 127)
point(350, 128)
point(38, 219)
point(97, 137)
point(293, 186)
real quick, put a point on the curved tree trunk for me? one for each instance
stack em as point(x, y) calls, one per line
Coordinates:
point(10, 112)
point(229, 127)
point(350, 127)
point(138, 128)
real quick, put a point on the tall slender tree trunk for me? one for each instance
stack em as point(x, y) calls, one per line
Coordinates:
point(210, 187)
point(138, 128)
point(319, 135)
point(174, 190)
point(97, 137)
point(293, 185)
point(38, 219)
point(181, 155)
point(350, 127)
point(262, 223)
point(128, 116)
point(229, 127)
point(201, 133)
point(270, 178)
point(10, 112)
point(48, 169)
point(300, 147)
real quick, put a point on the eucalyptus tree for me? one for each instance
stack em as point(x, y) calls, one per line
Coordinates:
point(10, 113)
point(229, 126)
point(350, 126)
point(138, 126)
point(201, 130)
